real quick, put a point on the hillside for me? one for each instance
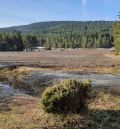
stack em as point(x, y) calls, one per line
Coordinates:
point(65, 34)
point(57, 27)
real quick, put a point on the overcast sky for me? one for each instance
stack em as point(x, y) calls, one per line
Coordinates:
point(19, 12)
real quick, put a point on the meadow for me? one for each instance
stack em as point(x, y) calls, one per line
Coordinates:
point(86, 60)
point(21, 109)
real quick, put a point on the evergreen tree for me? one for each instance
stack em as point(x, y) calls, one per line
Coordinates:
point(62, 34)
point(116, 34)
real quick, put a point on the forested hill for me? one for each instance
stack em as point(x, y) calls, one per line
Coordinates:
point(65, 34)
point(58, 27)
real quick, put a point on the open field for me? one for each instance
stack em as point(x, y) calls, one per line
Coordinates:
point(19, 110)
point(90, 60)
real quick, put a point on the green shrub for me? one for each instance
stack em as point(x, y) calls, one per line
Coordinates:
point(68, 96)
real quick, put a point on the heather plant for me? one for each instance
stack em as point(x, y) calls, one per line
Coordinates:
point(69, 96)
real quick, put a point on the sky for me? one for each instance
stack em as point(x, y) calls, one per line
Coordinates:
point(20, 12)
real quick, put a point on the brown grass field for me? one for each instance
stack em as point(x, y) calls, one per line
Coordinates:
point(91, 60)
point(24, 111)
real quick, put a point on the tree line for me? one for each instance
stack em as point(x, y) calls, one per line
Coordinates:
point(62, 34)
point(11, 42)
point(14, 41)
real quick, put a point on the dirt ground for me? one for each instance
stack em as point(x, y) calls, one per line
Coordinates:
point(91, 60)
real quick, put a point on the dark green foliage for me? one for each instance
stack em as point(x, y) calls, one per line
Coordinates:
point(30, 42)
point(14, 41)
point(68, 96)
point(11, 42)
point(66, 34)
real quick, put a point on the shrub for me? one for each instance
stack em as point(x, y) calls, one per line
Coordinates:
point(68, 96)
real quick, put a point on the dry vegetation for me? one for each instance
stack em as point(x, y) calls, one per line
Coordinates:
point(24, 112)
point(90, 60)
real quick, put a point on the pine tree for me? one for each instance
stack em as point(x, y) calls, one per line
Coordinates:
point(116, 34)
point(84, 42)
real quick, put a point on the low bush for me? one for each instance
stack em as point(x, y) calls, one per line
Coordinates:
point(69, 96)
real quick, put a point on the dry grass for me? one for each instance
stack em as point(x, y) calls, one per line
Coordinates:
point(24, 112)
point(8, 74)
point(105, 109)
point(113, 56)
point(91, 60)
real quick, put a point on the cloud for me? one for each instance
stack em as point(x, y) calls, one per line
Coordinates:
point(84, 9)
point(84, 2)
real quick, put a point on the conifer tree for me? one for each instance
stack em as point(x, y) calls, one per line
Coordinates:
point(116, 34)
